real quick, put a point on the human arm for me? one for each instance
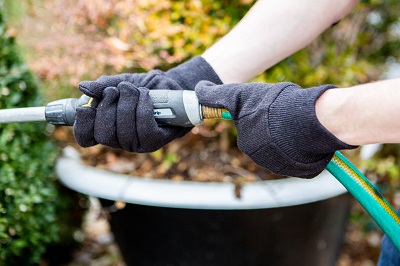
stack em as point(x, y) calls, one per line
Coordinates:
point(362, 114)
point(271, 31)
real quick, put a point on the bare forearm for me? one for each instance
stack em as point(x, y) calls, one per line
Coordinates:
point(271, 31)
point(362, 114)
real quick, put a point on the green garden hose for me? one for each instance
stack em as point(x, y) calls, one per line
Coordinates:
point(367, 195)
point(363, 191)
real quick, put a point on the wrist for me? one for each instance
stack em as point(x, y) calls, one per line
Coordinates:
point(293, 113)
point(363, 114)
point(333, 112)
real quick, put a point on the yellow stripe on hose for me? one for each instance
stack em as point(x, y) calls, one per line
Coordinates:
point(371, 190)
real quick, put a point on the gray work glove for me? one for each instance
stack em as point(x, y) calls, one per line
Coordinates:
point(124, 117)
point(277, 125)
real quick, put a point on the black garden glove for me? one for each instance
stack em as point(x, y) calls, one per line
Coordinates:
point(277, 125)
point(124, 118)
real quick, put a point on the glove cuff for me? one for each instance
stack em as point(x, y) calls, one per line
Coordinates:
point(188, 74)
point(310, 145)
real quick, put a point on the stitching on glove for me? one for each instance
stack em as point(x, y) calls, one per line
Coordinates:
point(157, 74)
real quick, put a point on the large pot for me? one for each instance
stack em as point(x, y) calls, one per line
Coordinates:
point(279, 222)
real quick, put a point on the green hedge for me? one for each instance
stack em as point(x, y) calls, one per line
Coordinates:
point(27, 191)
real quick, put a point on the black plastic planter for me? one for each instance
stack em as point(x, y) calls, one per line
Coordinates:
point(281, 222)
point(308, 234)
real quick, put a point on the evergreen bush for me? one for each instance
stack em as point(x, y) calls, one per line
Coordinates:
point(27, 191)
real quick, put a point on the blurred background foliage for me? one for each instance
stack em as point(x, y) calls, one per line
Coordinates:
point(27, 194)
point(69, 41)
point(32, 204)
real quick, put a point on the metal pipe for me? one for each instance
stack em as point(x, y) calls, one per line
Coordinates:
point(29, 114)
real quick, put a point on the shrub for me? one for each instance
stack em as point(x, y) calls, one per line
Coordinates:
point(27, 191)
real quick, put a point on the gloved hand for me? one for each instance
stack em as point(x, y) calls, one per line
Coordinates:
point(124, 117)
point(277, 125)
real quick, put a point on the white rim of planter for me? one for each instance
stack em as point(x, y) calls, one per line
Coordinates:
point(192, 195)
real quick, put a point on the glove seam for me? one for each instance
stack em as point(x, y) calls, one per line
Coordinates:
point(254, 111)
point(162, 75)
point(291, 161)
point(268, 125)
point(145, 84)
point(270, 105)
point(313, 165)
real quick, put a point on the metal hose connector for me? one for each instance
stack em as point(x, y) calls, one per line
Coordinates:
point(210, 112)
point(214, 113)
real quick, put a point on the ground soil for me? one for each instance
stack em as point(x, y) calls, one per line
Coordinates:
point(191, 158)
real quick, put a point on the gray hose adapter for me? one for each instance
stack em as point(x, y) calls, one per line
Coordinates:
point(62, 112)
point(171, 108)
point(176, 108)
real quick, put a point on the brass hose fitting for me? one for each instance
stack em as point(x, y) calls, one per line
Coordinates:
point(210, 112)
point(214, 113)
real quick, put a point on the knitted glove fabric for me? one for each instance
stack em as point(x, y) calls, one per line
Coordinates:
point(124, 116)
point(277, 125)
point(130, 127)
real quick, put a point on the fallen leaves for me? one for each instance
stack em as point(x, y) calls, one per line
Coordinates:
point(191, 158)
